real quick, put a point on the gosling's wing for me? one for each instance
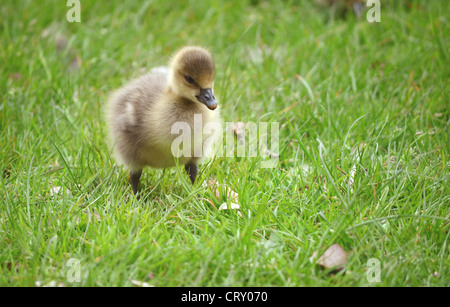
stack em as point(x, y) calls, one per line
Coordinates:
point(129, 105)
point(164, 70)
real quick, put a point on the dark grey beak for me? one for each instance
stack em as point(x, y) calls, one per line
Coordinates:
point(207, 98)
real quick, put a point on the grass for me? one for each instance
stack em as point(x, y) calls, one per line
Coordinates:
point(364, 146)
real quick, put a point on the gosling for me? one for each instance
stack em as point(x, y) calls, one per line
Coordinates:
point(141, 114)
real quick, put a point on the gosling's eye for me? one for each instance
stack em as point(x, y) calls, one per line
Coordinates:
point(189, 79)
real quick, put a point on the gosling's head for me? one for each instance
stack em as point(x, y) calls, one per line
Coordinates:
point(192, 75)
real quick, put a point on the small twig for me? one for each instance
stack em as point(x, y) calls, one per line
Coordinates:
point(339, 169)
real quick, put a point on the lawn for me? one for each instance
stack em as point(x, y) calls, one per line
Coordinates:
point(363, 113)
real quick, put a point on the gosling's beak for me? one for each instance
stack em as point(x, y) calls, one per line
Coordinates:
point(207, 98)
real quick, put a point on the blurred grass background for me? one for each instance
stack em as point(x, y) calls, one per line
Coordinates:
point(364, 144)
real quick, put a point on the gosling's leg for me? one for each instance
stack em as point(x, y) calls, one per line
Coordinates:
point(134, 178)
point(192, 170)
